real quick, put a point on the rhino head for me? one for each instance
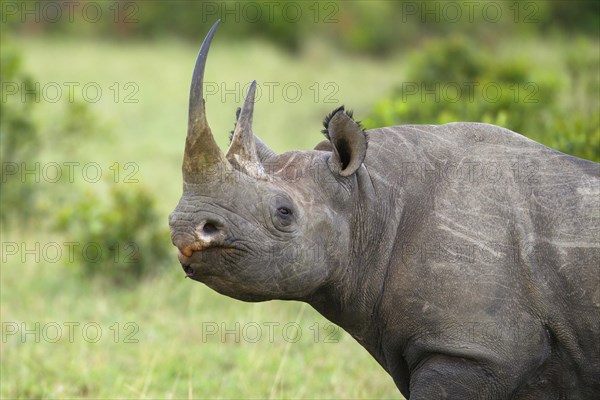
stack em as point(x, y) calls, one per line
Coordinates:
point(255, 225)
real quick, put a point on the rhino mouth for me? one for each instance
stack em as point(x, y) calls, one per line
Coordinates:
point(207, 261)
point(197, 271)
point(189, 271)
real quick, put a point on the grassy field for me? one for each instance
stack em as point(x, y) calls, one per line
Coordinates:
point(168, 337)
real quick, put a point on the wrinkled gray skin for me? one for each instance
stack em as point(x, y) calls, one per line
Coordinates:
point(463, 257)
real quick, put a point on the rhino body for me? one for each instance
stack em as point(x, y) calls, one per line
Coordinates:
point(464, 257)
point(475, 266)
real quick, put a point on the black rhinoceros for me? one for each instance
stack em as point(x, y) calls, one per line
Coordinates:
point(464, 257)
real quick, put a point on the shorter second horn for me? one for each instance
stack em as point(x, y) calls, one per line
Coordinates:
point(242, 152)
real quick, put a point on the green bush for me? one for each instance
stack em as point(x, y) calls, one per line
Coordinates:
point(19, 138)
point(368, 27)
point(22, 140)
point(120, 235)
point(570, 16)
point(449, 80)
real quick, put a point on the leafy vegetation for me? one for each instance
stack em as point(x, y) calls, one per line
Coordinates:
point(22, 138)
point(365, 27)
point(19, 137)
point(450, 80)
point(122, 236)
point(121, 233)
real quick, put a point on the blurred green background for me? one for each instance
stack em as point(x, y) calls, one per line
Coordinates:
point(93, 121)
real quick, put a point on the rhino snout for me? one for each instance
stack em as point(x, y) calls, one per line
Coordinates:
point(208, 233)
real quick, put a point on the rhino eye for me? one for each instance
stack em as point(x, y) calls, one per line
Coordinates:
point(284, 217)
point(284, 211)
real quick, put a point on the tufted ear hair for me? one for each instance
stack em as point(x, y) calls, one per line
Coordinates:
point(348, 141)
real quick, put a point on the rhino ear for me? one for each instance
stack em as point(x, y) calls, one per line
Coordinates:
point(348, 141)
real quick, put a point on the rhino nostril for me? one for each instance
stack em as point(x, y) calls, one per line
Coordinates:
point(210, 233)
point(209, 228)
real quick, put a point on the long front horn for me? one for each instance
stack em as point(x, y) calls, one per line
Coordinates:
point(242, 150)
point(201, 150)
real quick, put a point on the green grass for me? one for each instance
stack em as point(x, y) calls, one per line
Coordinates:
point(171, 360)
